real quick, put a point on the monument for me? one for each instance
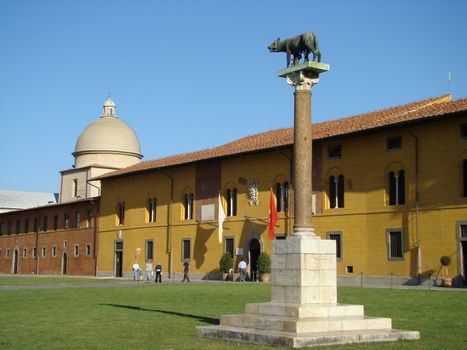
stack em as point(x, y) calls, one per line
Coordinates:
point(303, 310)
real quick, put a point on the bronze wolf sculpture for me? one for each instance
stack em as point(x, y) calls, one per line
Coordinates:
point(305, 44)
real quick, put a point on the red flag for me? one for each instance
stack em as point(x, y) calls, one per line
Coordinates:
point(272, 215)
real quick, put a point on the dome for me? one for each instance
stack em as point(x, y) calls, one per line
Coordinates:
point(107, 135)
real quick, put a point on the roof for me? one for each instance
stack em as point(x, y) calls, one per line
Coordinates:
point(416, 111)
point(14, 200)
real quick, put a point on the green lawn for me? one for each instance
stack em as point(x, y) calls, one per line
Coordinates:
point(21, 280)
point(165, 316)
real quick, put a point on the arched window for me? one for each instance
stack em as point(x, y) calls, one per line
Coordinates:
point(188, 206)
point(152, 203)
point(232, 202)
point(336, 191)
point(121, 213)
point(282, 194)
point(396, 187)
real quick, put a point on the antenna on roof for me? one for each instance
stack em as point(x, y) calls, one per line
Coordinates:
point(449, 83)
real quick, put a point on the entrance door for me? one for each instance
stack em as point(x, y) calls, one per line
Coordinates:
point(64, 264)
point(255, 249)
point(15, 261)
point(464, 259)
point(119, 259)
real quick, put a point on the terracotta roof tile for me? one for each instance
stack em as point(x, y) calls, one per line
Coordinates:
point(425, 109)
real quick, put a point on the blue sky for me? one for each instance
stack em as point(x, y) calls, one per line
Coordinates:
point(188, 75)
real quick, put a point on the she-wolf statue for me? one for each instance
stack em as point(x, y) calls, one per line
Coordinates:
point(305, 44)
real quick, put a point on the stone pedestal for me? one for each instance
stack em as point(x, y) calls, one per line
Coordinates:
point(303, 310)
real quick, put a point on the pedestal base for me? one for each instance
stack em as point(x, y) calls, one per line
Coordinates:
point(304, 309)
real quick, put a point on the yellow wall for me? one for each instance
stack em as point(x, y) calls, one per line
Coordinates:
point(363, 221)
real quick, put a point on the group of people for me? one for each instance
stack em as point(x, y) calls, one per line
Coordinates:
point(138, 272)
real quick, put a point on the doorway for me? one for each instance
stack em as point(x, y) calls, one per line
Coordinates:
point(464, 259)
point(64, 264)
point(119, 259)
point(255, 249)
point(15, 261)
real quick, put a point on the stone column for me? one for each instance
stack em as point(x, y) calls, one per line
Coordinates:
point(303, 77)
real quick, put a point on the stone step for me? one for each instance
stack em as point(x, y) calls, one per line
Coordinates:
point(269, 337)
point(306, 325)
point(305, 311)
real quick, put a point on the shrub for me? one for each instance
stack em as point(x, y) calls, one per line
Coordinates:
point(226, 262)
point(264, 264)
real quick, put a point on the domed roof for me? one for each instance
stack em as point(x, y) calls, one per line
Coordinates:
point(108, 134)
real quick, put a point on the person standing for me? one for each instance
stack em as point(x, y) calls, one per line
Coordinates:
point(242, 269)
point(135, 268)
point(186, 269)
point(148, 271)
point(158, 273)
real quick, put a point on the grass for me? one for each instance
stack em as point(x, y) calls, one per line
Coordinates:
point(165, 316)
point(21, 280)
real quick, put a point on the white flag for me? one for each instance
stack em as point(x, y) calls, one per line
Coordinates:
point(220, 218)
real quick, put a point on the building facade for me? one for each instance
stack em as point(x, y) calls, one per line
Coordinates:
point(58, 239)
point(389, 186)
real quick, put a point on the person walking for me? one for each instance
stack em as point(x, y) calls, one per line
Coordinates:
point(186, 269)
point(158, 273)
point(148, 271)
point(136, 269)
point(242, 269)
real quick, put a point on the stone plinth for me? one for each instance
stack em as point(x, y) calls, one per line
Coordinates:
point(303, 310)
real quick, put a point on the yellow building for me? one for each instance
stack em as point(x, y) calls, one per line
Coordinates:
point(389, 186)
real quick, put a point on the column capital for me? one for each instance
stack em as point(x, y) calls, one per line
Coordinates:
point(303, 76)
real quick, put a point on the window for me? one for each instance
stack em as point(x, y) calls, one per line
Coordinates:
point(152, 209)
point(54, 250)
point(55, 222)
point(282, 193)
point(36, 224)
point(34, 253)
point(9, 227)
point(149, 254)
point(121, 213)
point(76, 250)
point(394, 143)
point(395, 244)
point(336, 191)
point(90, 218)
point(232, 202)
point(335, 152)
point(18, 226)
point(45, 223)
point(337, 236)
point(0, 253)
point(186, 249)
point(88, 249)
point(26, 225)
point(66, 221)
point(65, 243)
point(77, 219)
point(7, 253)
point(43, 251)
point(463, 131)
point(188, 206)
point(396, 187)
point(25, 252)
point(1, 228)
point(75, 188)
point(229, 246)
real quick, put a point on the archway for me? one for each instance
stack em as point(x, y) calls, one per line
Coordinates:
point(64, 264)
point(254, 251)
point(15, 262)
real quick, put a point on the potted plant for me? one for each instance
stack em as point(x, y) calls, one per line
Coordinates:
point(446, 281)
point(264, 267)
point(225, 265)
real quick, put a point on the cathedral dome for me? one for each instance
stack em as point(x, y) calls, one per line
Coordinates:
point(107, 139)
